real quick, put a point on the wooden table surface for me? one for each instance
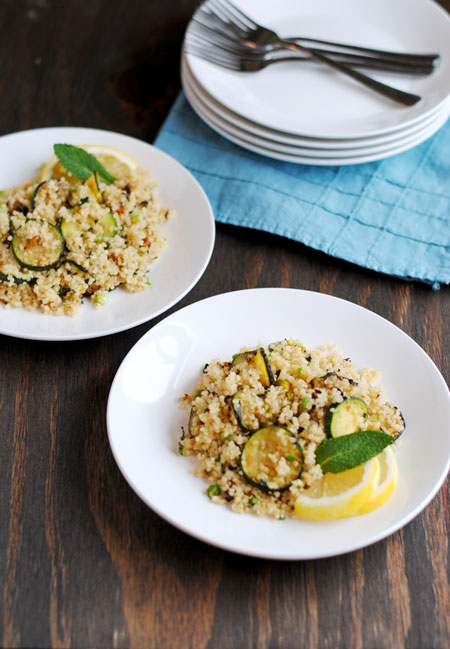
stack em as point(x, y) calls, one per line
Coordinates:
point(83, 562)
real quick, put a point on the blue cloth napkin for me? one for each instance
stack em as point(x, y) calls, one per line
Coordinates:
point(392, 216)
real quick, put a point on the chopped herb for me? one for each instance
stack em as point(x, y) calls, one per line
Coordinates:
point(180, 448)
point(225, 438)
point(135, 218)
point(84, 200)
point(196, 393)
point(99, 236)
point(252, 500)
point(213, 490)
point(304, 402)
point(299, 371)
point(290, 457)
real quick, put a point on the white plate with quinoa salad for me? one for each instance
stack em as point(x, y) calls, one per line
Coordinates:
point(99, 234)
point(204, 392)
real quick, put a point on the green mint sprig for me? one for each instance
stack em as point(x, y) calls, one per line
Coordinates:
point(341, 453)
point(80, 163)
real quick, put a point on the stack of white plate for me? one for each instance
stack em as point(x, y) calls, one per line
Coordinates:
point(306, 113)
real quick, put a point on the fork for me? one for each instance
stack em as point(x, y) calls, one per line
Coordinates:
point(252, 32)
point(216, 31)
point(267, 39)
point(241, 61)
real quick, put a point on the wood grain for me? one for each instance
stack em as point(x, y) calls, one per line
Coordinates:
point(83, 562)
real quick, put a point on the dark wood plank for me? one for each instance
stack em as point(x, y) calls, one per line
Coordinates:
point(83, 562)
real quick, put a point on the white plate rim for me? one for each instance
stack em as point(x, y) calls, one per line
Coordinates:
point(311, 144)
point(214, 539)
point(19, 323)
point(204, 72)
point(253, 143)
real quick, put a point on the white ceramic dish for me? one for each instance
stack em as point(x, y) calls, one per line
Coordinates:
point(144, 420)
point(306, 155)
point(190, 236)
point(313, 145)
point(301, 155)
point(317, 102)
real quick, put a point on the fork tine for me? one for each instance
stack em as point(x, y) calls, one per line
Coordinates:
point(210, 38)
point(219, 23)
point(233, 14)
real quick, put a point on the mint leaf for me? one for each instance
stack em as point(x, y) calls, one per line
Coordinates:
point(341, 453)
point(80, 163)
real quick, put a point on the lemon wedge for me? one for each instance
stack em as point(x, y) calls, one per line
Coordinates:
point(114, 160)
point(387, 481)
point(338, 495)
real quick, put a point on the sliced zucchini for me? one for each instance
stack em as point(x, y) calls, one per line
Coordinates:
point(34, 194)
point(396, 412)
point(92, 183)
point(68, 228)
point(108, 224)
point(241, 410)
point(17, 280)
point(345, 417)
point(39, 250)
point(272, 458)
point(192, 418)
point(75, 265)
point(257, 358)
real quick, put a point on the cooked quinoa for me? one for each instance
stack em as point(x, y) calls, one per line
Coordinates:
point(234, 399)
point(111, 234)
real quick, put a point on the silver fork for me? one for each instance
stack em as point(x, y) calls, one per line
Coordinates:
point(266, 39)
point(252, 32)
point(241, 61)
point(209, 29)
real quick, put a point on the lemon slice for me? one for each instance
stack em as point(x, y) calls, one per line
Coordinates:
point(387, 482)
point(338, 495)
point(114, 160)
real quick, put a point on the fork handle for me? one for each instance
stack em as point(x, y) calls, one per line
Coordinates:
point(397, 95)
point(406, 57)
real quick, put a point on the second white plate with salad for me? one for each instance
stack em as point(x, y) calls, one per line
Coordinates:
point(190, 236)
point(144, 418)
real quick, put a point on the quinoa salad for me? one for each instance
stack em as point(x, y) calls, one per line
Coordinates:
point(256, 421)
point(64, 240)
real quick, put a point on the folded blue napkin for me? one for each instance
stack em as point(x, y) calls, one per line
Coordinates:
point(392, 216)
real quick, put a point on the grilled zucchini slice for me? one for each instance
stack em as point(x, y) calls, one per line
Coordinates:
point(272, 458)
point(257, 358)
point(37, 248)
point(345, 417)
point(240, 409)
